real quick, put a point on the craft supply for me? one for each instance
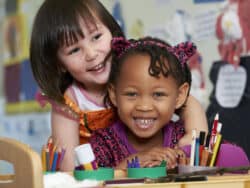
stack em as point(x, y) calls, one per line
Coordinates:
point(197, 150)
point(150, 172)
point(99, 174)
point(218, 130)
point(44, 161)
point(53, 167)
point(205, 157)
point(52, 156)
point(59, 154)
point(192, 155)
point(213, 131)
point(47, 159)
point(85, 157)
point(215, 150)
point(134, 163)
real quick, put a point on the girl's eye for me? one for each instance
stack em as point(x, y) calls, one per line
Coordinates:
point(74, 50)
point(97, 36)
point(131, 94)
point(159, 94)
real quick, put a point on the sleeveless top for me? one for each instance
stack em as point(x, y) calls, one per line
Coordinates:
point(89, 115)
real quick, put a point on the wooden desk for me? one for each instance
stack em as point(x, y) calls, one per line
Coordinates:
point(225, 181)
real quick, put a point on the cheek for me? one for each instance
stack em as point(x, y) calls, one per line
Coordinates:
point(124, 107)
point(167, 108)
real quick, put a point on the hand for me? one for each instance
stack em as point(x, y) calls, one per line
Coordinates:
point(156, 155)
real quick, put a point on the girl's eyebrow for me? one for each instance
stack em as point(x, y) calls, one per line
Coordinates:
point(94, 26)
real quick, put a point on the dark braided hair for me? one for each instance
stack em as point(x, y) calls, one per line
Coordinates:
point(162, 62)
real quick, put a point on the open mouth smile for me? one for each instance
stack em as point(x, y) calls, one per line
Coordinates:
point(98, 67)
point(144, 123)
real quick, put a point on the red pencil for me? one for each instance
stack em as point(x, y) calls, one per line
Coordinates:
point(58, 159)
point(214, 131)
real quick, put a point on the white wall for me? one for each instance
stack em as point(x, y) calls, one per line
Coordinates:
point(153, 13)
point(156, 13)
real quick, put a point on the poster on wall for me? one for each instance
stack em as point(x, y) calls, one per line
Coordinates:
point(19, 85)
point(15, 40)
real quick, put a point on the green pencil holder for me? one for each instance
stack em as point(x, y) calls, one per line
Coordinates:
point(152, 172)
point(99, 174)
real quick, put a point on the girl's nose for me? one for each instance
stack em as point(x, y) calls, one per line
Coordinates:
point(144, 104)
point(90, 53)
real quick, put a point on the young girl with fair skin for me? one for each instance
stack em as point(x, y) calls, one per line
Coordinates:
point(71, 60)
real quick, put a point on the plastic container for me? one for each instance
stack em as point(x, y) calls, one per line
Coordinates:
point(99, 174)
point(152, 172)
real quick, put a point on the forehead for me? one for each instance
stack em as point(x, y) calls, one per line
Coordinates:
point(135, 69)
point(78, 27)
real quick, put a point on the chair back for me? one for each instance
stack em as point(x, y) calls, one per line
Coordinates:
point(26, 162)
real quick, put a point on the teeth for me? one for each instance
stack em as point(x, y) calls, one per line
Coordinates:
point(144, 123)
point(101, 65)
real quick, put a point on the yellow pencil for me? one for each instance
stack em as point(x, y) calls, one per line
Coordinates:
point(87, 166)
point(44, 157)
point(215, 149)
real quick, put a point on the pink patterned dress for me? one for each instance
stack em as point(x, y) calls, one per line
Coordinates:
point(111, 146)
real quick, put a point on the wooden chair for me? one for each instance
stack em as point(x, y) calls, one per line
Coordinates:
point(26, 162)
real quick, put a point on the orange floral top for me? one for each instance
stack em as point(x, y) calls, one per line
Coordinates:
point(89, 120)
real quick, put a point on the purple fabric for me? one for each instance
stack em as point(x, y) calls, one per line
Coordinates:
point(229, 155)
point(111, 146)
point(168, 135)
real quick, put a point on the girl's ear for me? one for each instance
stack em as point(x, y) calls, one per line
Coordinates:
point(183, 94)
point(112, 95)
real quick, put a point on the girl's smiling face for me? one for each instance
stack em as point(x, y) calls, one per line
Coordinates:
point(144, 103)
point(84, 60)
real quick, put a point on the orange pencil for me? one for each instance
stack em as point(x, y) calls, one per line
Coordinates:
point(50, 144)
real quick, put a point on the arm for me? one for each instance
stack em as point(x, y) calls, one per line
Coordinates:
point(194, 117)
point(65, 134)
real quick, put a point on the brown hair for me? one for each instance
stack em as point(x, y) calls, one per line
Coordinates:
point(57, 24)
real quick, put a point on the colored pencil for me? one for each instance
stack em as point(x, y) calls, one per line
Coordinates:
point(215, 150)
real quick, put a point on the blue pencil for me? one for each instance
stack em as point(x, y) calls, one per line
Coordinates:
point(53, 168)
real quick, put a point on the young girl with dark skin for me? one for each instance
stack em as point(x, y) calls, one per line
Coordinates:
point(71, 60)
point(149, 81)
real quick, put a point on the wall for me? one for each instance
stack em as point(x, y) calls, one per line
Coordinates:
point(154, 15)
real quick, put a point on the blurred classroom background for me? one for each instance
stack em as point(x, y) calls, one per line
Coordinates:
point(173, 20)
